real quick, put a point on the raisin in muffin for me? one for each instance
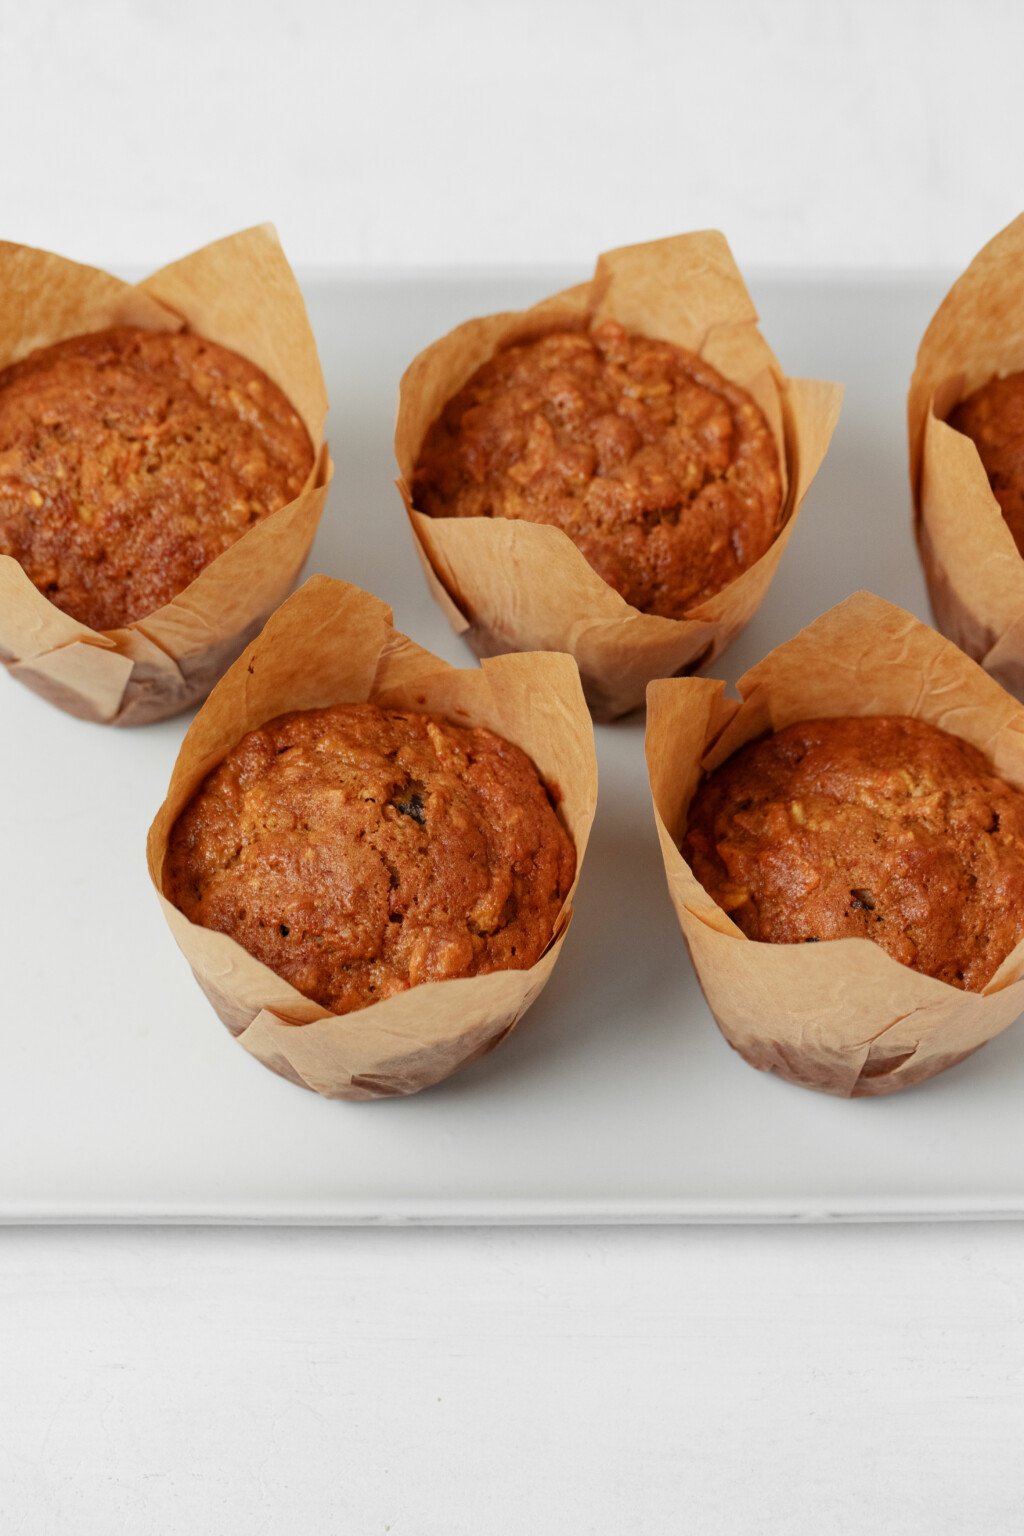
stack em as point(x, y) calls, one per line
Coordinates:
point(879, 827)
point(993, 418)
point(664, 474)
point(359, 851)
point(130, 459)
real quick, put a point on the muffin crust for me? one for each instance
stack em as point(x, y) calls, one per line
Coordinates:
point(359, 851)
point(664, 474)
point(130, 459)
point(993, 417)
point(879, 827)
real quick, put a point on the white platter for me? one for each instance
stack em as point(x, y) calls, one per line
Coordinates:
point(123, 1099)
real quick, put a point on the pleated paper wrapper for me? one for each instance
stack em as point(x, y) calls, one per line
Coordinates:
point(241, 293)
point(973, 568)
point(332, 644)
point(515, 585)
point(840, 1016)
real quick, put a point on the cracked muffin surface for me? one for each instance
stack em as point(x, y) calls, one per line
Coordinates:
point(993, 418)
point(878, 827)
point(129, 459)
point(664, 474)
point(359, 851)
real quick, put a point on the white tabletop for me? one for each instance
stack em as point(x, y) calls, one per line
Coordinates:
point(444, 1382)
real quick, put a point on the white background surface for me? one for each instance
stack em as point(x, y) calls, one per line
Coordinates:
point(660, 1382)
point(874, 132)
point(867, 1380)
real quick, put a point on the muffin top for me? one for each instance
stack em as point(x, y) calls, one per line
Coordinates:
point(993, 417)
point(358, 851)
point(878, 827)
point(130, 459)
point(664, 474)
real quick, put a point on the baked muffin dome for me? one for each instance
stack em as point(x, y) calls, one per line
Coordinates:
point(877, 827)
point(358, 851)
point(664, 474)
point(993, 417)
point(130, 459)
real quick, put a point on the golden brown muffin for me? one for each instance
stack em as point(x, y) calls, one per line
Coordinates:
point(358, 851)
point(993, 418)
point(880, 827)
point(130, 459)
point(663, 473)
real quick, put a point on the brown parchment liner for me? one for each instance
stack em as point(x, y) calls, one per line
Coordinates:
point(842, 1016)
point(974, 572)
point(240, 292)
point(332, 643)
point(515, 585)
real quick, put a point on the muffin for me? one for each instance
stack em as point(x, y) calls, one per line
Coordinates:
point(663, 473)
point(880, 827)
point(369, 857)
point(163, 470)
point(129, 459)
point(965, 428)
point(359, 851)
point(993, 418)
point(613, 473)
point(859, 810)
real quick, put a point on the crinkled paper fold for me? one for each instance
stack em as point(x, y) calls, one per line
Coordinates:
point(331, 644)
point(516, 585)
point(973, 568)
point(241, 293)
point(842, 1016)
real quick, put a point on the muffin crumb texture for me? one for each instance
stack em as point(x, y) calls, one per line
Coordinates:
point(664, 474)
point(993, 417)
point(359, 851)
point(130, 459)
point(879, 827)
